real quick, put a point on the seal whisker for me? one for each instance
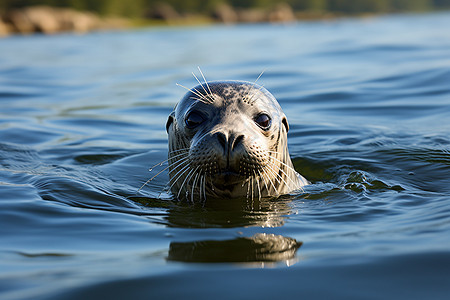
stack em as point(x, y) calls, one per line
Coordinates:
point(155, 174)
point(200, 188)
point(161, 171)
point(179, 150)
point(252, 201)
point(248, 188)
point(177, 155)
point(195, 92)
point(260, 88)
point(178, 164)
point(264, 179)
point(277, 175)
point(173, 155)
point(206, 82)
point(254, 83)
point(178, 175)
point(204, 186)
point(201, 100)
point(296, 184)
point(185, 170)
point(193, 187)
point(168, 160)
point(151, 179)
point(252, 100)
point(252, 187)
point(257, 184)
point(270, 180)
point(164, 161)
point(204, 190)
point(261, 74)
point(201, 84)
point(187, 179)
point(274, 173)
point(157, 165)
point(246, 97)
point(204, 97)
point(294, 187)
point(281, 162)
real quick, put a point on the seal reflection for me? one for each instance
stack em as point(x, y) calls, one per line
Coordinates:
point(261, 248)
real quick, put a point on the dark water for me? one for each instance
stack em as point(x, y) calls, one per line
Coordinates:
point(82, 118)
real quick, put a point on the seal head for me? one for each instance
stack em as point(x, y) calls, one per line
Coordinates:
point(229, 139)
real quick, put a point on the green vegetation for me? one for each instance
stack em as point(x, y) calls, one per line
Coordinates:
point(138, 8)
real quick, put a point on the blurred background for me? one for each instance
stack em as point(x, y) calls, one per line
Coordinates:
point(50, 16)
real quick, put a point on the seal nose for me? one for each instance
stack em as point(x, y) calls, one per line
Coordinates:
point(229, 142)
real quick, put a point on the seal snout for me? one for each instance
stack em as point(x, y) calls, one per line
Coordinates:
point(229, 143)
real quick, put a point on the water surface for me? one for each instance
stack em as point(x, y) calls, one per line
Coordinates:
point(82, 118)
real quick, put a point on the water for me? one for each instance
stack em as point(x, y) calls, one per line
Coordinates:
point(82, 118)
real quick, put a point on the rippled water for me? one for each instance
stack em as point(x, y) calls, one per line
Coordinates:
point(82, 118)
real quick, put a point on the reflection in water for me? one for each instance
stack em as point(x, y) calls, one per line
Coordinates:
point(260, 248)
point(229, 213)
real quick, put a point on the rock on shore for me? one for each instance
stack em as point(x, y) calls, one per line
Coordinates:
point(280, 13)
point(50, 20)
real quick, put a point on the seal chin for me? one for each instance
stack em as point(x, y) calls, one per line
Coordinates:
point(227, 181)
point(227, 178)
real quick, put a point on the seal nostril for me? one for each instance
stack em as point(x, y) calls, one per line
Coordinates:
point(238, 140)
point(222, 139)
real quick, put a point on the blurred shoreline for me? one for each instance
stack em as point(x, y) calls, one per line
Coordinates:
point(52, 20)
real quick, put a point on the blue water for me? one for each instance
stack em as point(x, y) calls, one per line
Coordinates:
point(82, 118)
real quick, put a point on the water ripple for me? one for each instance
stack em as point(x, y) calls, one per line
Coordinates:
point(367, 103)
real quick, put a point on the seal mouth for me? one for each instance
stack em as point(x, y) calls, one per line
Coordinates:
point(228, 177)
point(226, 180)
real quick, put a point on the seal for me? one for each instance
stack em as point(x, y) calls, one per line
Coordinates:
point(228, 139)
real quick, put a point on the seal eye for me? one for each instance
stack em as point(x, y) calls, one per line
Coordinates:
point(263, 121)
point(193, 120)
